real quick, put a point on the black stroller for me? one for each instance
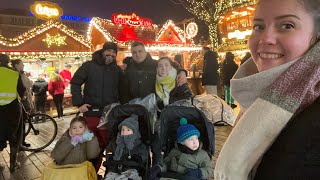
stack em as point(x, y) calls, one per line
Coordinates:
point(170, 121)
point(115, 117)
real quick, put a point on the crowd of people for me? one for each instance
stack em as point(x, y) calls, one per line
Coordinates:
point(277, 87)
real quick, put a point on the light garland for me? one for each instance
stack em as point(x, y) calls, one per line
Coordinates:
point(47, 55)
point(96, 22)
point(57, 40)
point(212, 11)
point(180, 32)
point(13, 42)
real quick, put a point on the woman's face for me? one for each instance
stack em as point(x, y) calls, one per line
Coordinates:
point(282, 32)
point(19, 66)
point(164, 67)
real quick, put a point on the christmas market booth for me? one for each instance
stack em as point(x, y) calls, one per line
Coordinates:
point(167, 40)
point(235, 26)
point(45, 49)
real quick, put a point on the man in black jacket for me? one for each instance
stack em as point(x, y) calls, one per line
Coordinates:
point(210, 67)
point(101, 87)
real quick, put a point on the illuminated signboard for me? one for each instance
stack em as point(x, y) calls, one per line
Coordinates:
point(131, 20)
point(46, 10)
point(192, 30)
point(239, 34)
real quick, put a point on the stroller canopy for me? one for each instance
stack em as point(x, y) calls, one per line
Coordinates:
point(121, 112)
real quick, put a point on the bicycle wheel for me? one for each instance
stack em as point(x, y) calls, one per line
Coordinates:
point(40, 133)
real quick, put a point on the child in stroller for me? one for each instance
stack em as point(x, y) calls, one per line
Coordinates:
point(184, 156)
point(127, 152)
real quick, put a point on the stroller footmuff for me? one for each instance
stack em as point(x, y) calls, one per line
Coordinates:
point(128, 148)
point(174, 133)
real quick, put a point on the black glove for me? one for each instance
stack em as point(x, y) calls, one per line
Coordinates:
point(195, 173)
point(154, 172)
point(136, 158)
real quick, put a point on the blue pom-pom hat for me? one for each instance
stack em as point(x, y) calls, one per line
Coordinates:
point(186, 130)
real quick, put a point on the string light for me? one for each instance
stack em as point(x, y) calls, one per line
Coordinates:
point(211, 12)
point(47, 55)
point(57, 40)
point(13, 42)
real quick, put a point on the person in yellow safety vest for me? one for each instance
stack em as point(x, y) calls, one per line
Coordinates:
point(11, 89)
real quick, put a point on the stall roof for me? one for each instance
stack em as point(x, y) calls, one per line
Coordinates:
point(51, 39)
point(101, 30)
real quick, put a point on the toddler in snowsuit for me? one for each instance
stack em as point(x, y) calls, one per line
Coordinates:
point(126, 157)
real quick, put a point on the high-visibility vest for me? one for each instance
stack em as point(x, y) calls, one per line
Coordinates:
point(8, 85)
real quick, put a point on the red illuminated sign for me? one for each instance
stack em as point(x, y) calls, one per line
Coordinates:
point(131, 20)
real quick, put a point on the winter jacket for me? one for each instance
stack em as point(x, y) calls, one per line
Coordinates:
point(229, 68)
point(56, 87)
point(140, 79)
point(100, 81)
point(178, 93)
point(199, 160)
point(295, 154)
point(66, 75)
point(65, 153)
point(40, 88)
point(138, 155)
point(210, 67)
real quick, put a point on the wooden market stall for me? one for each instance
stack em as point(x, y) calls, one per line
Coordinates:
point(169, 40)
point(46, 48)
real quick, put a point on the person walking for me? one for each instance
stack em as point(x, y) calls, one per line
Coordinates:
point(229, 68)
point(210, 67)
point(39, 89)
point(56, 90)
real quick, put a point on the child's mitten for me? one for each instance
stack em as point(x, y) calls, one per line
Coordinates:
point(75, 140)
point(87, 136)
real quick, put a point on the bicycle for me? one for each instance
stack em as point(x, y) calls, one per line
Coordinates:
point(40, 130)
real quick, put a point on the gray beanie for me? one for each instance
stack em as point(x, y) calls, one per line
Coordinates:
point(131, 122)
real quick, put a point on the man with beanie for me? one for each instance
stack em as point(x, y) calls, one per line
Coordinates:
point(127, 156)
point(187, 158)
point(100, 77)
point(11, 91)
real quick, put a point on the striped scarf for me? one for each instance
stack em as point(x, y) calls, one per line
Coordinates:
point(293, 91)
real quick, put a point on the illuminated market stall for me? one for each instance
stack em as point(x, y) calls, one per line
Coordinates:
point(47, 48)
point(168, 40)
point(235, 26)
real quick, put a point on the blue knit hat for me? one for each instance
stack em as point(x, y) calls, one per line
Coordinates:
point(186, 130)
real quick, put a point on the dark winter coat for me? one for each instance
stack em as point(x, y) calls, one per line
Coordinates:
point(295, 154)
point(140, 79)
point(178, 93)
point(40, 88)
point(229, 68)
point(210, 67)
point(137, 160)
point(199, 160)
point(100, 81)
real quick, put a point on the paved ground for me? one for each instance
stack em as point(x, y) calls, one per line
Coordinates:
point(32, 163)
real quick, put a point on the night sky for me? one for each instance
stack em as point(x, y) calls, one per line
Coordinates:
point(157, 10)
